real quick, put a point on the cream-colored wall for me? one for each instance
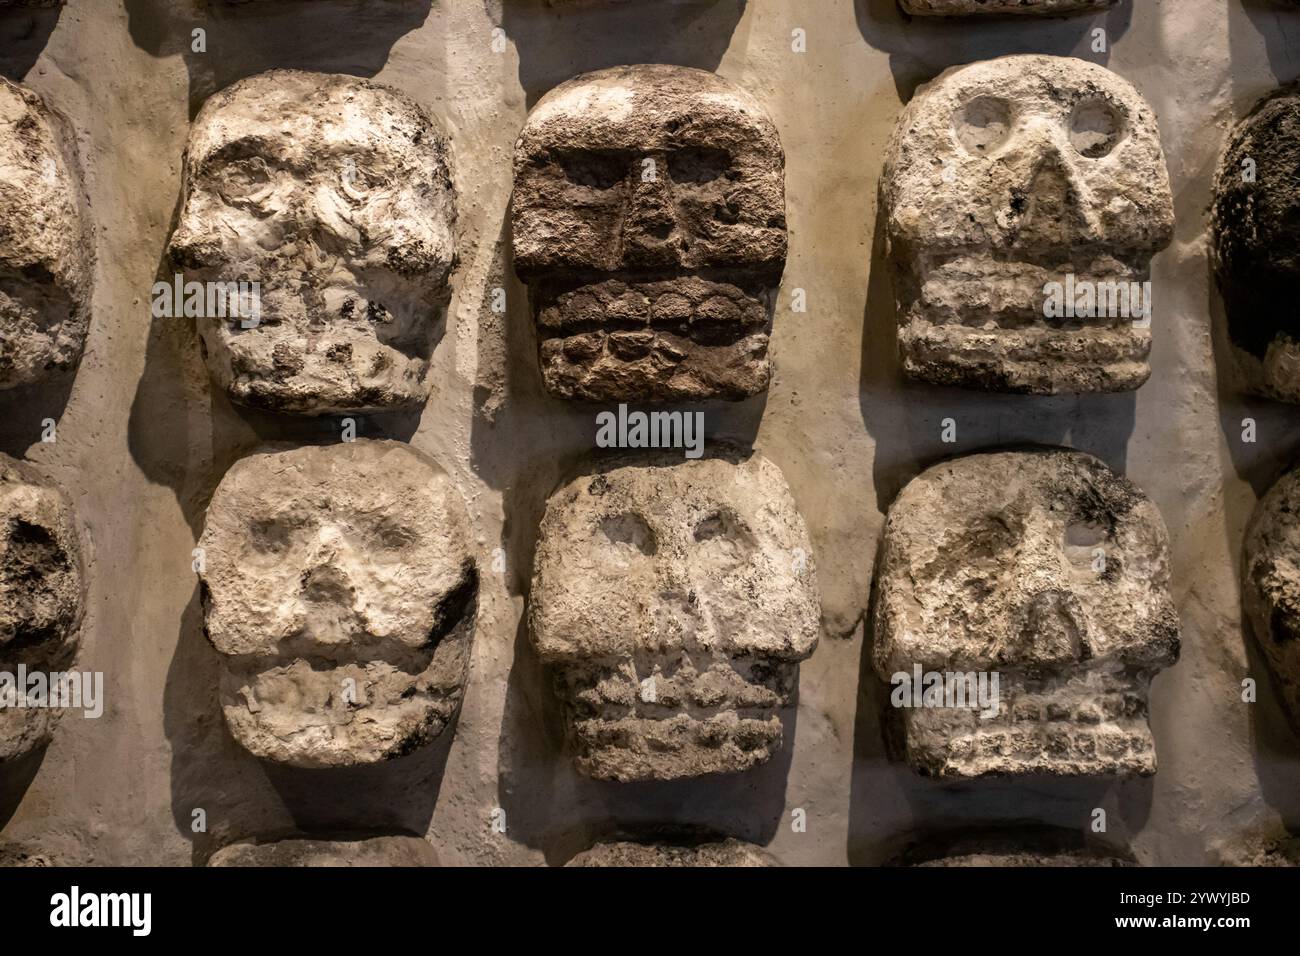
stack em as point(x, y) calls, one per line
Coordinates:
point(143, 440)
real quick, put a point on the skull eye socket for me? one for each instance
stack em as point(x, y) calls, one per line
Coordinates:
point(390, 535)
point(724, 539)
point(357, 181)
point(269, 536)
point(627, 533)
point(247, 180)
point(698, 165)
point(982, 125)
point(594, 169)
point(1096, 127)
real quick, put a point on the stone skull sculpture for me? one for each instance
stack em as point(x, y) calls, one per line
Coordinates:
point(1271, 586)
point(1002, 179)
point(673, 600)
point(1045, 568)
point(340, 589)
point(965, 8)
point(720, 853)
point(332, 193)
point(649, 223)
point(1256, 244)
point(46, 265)
point(42, 595)
point(328, 850)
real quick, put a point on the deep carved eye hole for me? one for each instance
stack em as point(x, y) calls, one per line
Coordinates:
point(593, 169)
point(1096, 128)
point(629, 531)
point(724, 538)
point(1086, 544)
point(247, 180)
point(982, 124)
point(698, 165)
point(269, 536)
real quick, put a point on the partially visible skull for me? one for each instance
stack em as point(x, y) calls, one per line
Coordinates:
point(722, 853)
point(340, 588)
point(965, 8)
point(674, 600)
point(1005, 176)
point(46, 265)
point(333, 193)
point(649, 223)
point(1256, 249)
point(334, 850)
point(1047, 568)
point(1271, 585)
point(42, 594)
point(1030, 846)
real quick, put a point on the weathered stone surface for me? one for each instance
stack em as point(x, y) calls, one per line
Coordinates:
point(1001, 177)
point(723, 853)
point(42, 596)
point(1045, 567)
point(1256, 246)
point(340, 588)
point(343, 850)
point(1033, 846)
point(674, 600)
point(966, 8)
point(1272, 847)
point(650, 287)
point(46, 243)
point(1270, 591)
point(335, 194)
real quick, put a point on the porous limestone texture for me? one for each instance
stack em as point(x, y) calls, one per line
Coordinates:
point(334, 194)
point(1050, 570)
point(1030, 847)
point(723, 853)
point(42, 597)
point(967, 8)
point(46, 260)
point(648, 219)
point(1256, 250)
point(1270, 586)
point(1001, 178)
point(674, 600)
point(340, 589)
point(344, 850)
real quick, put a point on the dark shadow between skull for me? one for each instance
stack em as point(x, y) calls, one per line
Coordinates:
point(243, 39)
point(1278, 23)
point(16, 776)
point(31, 411)
point(1015, 837)
point(920, 48)
point(555, 44)
point(24, 31)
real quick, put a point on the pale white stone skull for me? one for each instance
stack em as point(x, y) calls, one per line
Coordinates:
point(674, 600)
point(1001, 178)
point(340, 589)
point(42, 595)
point(46, 263)
point(334, 194)
point(1045, 567)
point(649, 223)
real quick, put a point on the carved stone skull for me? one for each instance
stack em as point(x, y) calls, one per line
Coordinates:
point(1256, 249)
point(332, 850)
point(966, 8)
point(674, 600)
point(1001, 179)
point(340, 589)
point(46, 265)
point(334, 194)
point(1044, 567)
point(1029, 846)
point(42, 594)
point(1271, 586)
point(721, 853)
point(649, 224)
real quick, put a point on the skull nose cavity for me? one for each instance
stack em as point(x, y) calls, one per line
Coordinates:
point(1049, 207)
point(326, 585)
point(1052, 630)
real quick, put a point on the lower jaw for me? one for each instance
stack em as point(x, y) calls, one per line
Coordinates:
point(1278, 376)
point(632, 749)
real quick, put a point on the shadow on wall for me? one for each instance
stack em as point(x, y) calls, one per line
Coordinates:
point(920, 48)
point(1277, 24)
point(240, 40)
point(23, 35)
point(554, 44)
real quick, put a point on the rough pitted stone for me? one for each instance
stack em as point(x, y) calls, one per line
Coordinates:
point(966, 8)
point(1031, 847)
point(42, 594)
point(1003, 176)
point(46, 262)
point(656, 290)
point(1272, 847)
point(1256, 248)
point(990, 563)
point(724, 853)
point(1271, 585)
point(674, 600)
point(333, 564)
point(335, 851)
point(334, 193)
